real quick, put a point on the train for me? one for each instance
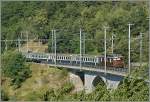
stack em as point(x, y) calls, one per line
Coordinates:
point(112, 60)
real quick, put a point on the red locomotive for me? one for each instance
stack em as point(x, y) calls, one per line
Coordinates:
point(114, 60)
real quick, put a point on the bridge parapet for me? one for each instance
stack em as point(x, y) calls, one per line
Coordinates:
point(73, 62)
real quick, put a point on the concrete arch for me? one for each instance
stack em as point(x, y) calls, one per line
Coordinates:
point(77, 79)
point(92, 79)
point(81, 76)
point(98, 80)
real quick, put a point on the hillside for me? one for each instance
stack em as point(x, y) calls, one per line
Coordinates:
point(34, 46)
point(41, 20)
point(42, 79)
point(38, 19)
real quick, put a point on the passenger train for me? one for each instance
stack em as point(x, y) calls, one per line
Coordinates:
point(113, 60)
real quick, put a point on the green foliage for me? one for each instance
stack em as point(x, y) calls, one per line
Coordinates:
point(58, 94)
point(99, 94)
point(33, 95)
point(80, 96)
point(38, 18)
point(64, 72)
point(128, 90)
point(4, 96)
point(141, 72)
point(132, 90)
point(49, 95)
point(14, 67)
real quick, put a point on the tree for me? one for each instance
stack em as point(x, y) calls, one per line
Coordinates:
point(14, 67)
point(131, 90)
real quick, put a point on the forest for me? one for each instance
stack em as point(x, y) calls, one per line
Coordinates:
point(39, 18)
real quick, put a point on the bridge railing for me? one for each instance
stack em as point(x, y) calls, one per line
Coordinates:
point(70, 61)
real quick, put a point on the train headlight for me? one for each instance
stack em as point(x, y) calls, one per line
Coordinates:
point(118, 58)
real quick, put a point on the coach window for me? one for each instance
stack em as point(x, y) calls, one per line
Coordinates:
point(89, 59)
point(78, 58)
point(110, 59)
point(63, 57)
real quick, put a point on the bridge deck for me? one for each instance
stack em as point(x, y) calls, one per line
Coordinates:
point(91, 69)
point(74, 63)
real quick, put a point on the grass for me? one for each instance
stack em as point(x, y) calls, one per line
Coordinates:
point(42, 79)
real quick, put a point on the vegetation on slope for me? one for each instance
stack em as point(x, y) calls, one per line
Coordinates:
point(34, 87)
point(14, 67)
point(128, 90)
point(52, 84)
point(38, 19)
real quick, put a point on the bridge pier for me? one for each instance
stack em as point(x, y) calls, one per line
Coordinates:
point(77, 80)
point(88, 82)
point(110, 80)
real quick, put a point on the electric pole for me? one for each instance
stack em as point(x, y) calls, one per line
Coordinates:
point(112, 43)
point(105, 28)
point(6, 47)
point(80, 48)
point(39, 43)
point(21, 35)
point(129, 42)
point(27, 40)
point(52, 42)
point(55, 48)
point(149, 39)
point(84, 43)
point(141, 49)
point(19, 44)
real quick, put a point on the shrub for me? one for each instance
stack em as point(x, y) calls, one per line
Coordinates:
point(13, 66)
